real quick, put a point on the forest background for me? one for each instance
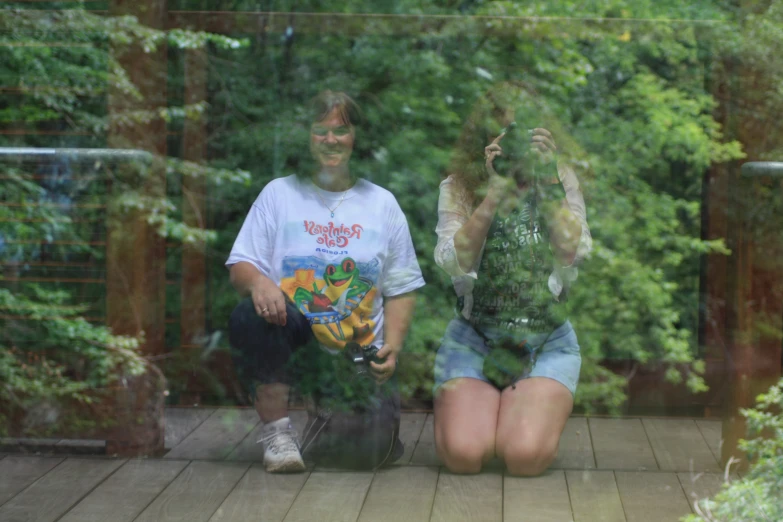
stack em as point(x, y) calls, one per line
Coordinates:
point(634, 86)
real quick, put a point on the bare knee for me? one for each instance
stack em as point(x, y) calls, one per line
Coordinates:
point(461, 454)
point(528, 460)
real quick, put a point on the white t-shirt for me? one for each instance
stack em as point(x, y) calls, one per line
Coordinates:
point(336, 270)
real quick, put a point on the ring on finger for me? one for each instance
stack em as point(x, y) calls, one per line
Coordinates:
point(265, 310)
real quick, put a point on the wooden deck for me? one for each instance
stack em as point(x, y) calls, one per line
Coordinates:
point(629, 469)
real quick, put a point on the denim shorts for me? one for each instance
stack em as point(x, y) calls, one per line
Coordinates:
point(462, 352)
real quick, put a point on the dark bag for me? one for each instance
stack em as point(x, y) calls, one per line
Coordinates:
point(352, 421)
point(358, 438)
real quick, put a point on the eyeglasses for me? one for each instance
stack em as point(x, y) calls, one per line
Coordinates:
point(320, 130)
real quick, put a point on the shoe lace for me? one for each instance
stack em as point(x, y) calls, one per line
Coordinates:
point(281, 440)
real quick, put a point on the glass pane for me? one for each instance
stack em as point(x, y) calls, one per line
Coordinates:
point(416, 239)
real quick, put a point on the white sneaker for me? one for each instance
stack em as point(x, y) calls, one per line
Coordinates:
point(281, 447)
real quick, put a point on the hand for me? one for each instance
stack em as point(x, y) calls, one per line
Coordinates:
point(498, 185)
point(269, 301)
point(492, 151)
point(382, 372)
point(543, 145)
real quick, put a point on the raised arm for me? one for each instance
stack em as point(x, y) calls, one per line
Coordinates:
point(564, 211)
point(461, 234)
point(560, 201)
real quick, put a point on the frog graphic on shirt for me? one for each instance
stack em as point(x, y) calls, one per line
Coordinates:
point(334, 309)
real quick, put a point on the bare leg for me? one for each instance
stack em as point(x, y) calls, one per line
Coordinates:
point(466, 415)
point(532, 418)
point(272, 401)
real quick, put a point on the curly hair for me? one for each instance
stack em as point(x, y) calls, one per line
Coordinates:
point(504, 102)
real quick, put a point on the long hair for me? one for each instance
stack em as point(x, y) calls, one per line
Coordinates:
point(504, 102)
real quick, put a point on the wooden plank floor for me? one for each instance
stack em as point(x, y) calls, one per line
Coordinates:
point(613, 470)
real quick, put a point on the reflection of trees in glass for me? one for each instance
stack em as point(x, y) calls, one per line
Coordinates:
point(634, 97)
point(56, 71)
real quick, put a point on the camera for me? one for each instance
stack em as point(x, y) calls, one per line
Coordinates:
point(518, 161)
point(362, 356)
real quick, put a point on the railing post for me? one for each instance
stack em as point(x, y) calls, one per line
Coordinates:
point(754, 352)
point(194, 267)
point(136, 253)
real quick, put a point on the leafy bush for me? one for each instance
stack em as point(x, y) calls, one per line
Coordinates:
point(56, 363)
point(52, 360)
point(758, 495)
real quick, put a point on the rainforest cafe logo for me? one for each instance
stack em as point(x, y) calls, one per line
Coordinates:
point(332, 236)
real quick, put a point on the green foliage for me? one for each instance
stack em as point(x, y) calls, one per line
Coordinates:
point(758, 495)
point(635, 110)
point(51, 355)
point(633, 93)
point(57, 77)
point(57, 69)
point(65, 61)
